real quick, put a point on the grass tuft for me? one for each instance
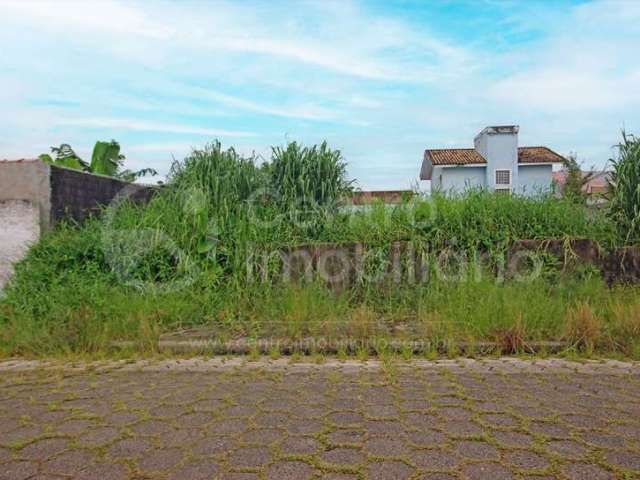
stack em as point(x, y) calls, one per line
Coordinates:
point(583, 328)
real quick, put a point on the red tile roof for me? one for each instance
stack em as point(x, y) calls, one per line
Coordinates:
point(455, 156)
point(467, 156)
point(538, 155)
point(597, 183)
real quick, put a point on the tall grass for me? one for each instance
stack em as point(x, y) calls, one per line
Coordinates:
point(624, 188)
point(82, 287)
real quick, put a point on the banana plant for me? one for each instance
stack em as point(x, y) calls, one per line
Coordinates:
point(106, 159)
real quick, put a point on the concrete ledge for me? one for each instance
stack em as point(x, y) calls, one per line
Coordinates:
point(308, 346)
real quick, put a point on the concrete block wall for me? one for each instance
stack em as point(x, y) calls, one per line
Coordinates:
point(77, 195)
point(34, 196)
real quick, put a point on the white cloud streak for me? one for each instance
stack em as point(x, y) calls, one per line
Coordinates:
point(145, 126)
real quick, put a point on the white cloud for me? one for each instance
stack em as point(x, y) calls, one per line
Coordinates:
point(308, 112)
point(582, 65)
point(145, 126)
point(356, 44)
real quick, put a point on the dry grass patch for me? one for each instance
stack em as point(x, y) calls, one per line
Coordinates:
point(512, 339)
point(582, 327)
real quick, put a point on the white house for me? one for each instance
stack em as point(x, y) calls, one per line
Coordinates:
point(496, 162)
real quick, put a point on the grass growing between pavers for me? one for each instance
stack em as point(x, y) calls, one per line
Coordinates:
point(407, 420)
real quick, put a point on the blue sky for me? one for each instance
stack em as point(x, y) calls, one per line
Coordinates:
point(379, 80)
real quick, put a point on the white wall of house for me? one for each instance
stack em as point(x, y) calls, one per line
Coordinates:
point(534, 179)
point(457, 179)
point(499, 147)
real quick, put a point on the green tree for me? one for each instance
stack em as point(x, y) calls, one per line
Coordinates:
point(106, 159)
point(624, 188)
point(576, 179)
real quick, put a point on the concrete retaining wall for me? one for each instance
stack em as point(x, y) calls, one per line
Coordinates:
point(341, 265)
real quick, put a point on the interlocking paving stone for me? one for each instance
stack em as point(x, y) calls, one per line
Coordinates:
point(526, 460)
point(250, 457)
point(196, 470)
point(212, 445)
point(43, 449)
point(18, 470)
point(21, 435)
point(338, 476)
point(151, 427)
point(289, 470)
point(237, 420)
point(343, 456)
point(624, 459)
point(389, 470)
point(585, 471)
point(566, 448)
point(69, 463)
point(160, 460)
point(300, 445)
point(346, 437)
point(438, 476)
point(427, 438)
point(435, 459)
point(73, 427)
point(476, 450)
point(129, 448)
point(99, 436)
point(386, 446)
point(461, 428)
point(104, 471)
point(484, 471)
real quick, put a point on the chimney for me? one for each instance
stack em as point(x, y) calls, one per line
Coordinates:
point(499, 147)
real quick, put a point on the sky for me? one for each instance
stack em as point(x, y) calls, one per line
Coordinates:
point(379, 80)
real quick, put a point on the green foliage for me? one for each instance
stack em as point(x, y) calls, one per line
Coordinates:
point(106, 159)
point(309, 176)
point(624, 188)
point(576, 179)
point(65, 157)
point(82, 287)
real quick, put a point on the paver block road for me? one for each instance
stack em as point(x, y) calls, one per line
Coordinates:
point(234, 419)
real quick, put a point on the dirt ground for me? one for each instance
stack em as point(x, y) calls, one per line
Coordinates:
point(235, 419)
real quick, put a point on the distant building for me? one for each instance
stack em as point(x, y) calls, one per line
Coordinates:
point(496, 162)
point(596, 186)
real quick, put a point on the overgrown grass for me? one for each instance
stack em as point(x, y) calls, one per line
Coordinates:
point(87, 310)
point(181, 261)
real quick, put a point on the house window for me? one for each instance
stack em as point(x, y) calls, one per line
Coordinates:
point(503, 178)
